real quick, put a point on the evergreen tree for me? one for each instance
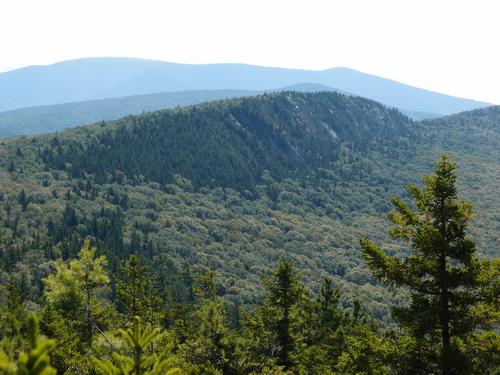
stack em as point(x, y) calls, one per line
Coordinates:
point(71, 290)
point(137, 360)
point(13, 319)
point(443, 271)
point(320, 331)
point(269, 339)
point(37, 360)
point(365, 352)
point(136, 292)
point(23, 199)
point(283, 292)
point(210, 349)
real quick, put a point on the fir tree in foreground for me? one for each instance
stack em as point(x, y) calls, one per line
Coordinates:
point(137, 360)
point(443, 274)
point(37, 360)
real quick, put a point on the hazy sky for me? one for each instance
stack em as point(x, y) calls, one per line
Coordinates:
point(446, 46)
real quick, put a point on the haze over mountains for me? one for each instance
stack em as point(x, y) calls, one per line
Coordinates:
point(56, 117)
point(98, 78)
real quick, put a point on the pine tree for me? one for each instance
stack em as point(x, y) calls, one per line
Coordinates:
point(13, 319)
point(71, 289)
point(210, 349)
point(212, 334)
point(269, 339)
point(319, 331)
point(283, 292)
point(23, 199)
point(442, 272)
point(37, 360)
point(138, 362)
point(135, 291)
point(90, 273)
point(327, 306)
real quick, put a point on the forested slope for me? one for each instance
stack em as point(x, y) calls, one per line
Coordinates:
point(234, 186)
point(57, 117)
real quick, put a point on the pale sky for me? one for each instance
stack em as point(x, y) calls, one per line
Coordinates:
point(451, 47)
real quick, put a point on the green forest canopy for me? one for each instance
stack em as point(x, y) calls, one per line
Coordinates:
point(235, 186)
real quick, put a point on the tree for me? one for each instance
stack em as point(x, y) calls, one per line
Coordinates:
point(37, 360)
point(90, 273)
point(210, 349)
point(319, 331)
point(72, 289)
point(135, 291)
point(268, 332)
point(442, 273)
point(13, 319)
point(365, 352)
point(137, 361)
point(23, 199)
point(283, 292)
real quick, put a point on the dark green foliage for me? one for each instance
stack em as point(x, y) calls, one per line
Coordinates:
point(283, 293)
point(306, 182)
point(443, 273)
point(230, 144)
point(135, 291)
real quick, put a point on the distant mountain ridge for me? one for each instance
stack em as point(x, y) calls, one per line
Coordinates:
point(98, 78)
point(57, 117)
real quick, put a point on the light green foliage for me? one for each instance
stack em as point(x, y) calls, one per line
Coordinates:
point(74, 312)
point(72, 289)
point(63, 290)
point(137, 360)
point(89, 269)
point(70, 285)
point(365, 353)
point(13, 319)
point(37, 360)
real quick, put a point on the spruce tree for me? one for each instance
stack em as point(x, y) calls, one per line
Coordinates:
point(268, 335)
point(442, 272)
point(283, 292)
point(136, 292)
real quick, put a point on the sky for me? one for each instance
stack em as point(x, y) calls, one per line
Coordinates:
point(446, 46)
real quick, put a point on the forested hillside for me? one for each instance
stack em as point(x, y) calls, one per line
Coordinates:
point(52, 118)
point(234, 187)
point(57, 117)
